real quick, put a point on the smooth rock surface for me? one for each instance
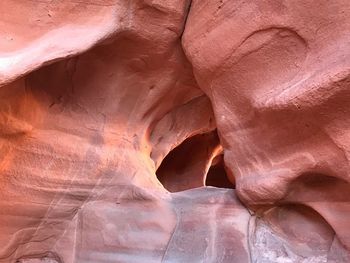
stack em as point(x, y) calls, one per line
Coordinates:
point(278, 80)
point(117, 118)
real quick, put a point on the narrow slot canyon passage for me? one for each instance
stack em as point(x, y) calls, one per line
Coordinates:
point(217, 175)
point(198, 161)
point(175, 131)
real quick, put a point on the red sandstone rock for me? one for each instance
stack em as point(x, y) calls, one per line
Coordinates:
point(278, 80)
point(112, 111)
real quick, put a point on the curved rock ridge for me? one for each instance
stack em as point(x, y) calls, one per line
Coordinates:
point(140, 131)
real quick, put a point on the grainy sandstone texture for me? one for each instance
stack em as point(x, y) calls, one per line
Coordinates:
point(177, 131)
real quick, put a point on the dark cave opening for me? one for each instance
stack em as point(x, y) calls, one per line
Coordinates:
point(186, 166)
point(217, 175)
